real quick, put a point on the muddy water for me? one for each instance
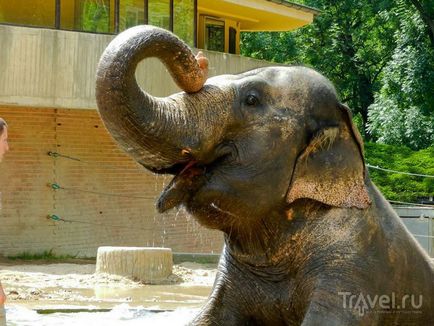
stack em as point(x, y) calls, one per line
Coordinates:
point(75, 295)
point(165, 297)
point(119, 316)
point(153, 305)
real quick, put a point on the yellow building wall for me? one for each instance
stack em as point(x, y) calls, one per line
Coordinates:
point(232, 23)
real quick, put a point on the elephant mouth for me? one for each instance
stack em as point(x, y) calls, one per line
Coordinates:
point(188, 178)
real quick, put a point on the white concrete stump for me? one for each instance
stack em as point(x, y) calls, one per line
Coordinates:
point(146, 264)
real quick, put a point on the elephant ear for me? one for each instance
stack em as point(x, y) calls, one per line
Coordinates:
point(331, 169)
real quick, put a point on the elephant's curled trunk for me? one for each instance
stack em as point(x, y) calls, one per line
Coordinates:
point(143, 125)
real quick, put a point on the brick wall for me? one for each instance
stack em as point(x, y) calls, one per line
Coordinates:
point(94, 175)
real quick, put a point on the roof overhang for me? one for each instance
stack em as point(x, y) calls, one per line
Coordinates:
point(260, 15)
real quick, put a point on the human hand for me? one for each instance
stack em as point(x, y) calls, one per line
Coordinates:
point(2, 295)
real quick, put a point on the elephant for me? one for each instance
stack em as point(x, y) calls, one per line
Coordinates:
point(271, 158)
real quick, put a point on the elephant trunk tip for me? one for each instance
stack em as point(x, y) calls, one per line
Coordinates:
point(194, 73)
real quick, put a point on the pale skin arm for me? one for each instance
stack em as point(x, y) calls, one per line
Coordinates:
point(2, 295)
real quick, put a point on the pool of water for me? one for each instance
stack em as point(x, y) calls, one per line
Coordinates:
point(69, 294)
point(165, 305)
point(123, 314)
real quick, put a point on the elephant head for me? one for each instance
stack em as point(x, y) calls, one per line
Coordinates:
point(240, 147)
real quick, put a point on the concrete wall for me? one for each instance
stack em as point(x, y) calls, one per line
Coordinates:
point(420, 222)
point(51, 68)
point(47, 97)
point(423, 232)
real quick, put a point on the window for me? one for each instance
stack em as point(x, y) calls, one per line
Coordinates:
point(183, 20)
point(232, 40)
point(40, 13)
point(103, 16)
point(131, 13)
point(159, 13)
point(87, 15)
point(214, 35)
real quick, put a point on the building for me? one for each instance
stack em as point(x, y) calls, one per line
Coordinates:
point(65, 186)
point(207, 24)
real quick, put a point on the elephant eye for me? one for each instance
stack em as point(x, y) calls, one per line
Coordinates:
point(251, 100)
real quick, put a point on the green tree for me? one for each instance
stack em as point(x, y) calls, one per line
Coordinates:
point(350, 42)
point(277, 47)
point(403, 112)
point(426, 12)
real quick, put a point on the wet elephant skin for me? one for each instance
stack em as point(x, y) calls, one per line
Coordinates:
point(271, 158)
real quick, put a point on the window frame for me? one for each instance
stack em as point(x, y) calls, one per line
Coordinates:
point(216, 21)
point(57, 19)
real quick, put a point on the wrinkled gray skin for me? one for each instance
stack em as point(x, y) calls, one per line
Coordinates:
point(270, 158)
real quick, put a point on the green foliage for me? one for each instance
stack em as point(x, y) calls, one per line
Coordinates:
point(350, 43)
point(95, 17)
point(403, 112)
point(401, 187)
point(277, 47)
point(183, 20)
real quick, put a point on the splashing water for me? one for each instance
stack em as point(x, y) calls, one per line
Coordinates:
point(120, 315)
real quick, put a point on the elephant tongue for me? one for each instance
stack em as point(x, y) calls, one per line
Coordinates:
point(181, 188)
